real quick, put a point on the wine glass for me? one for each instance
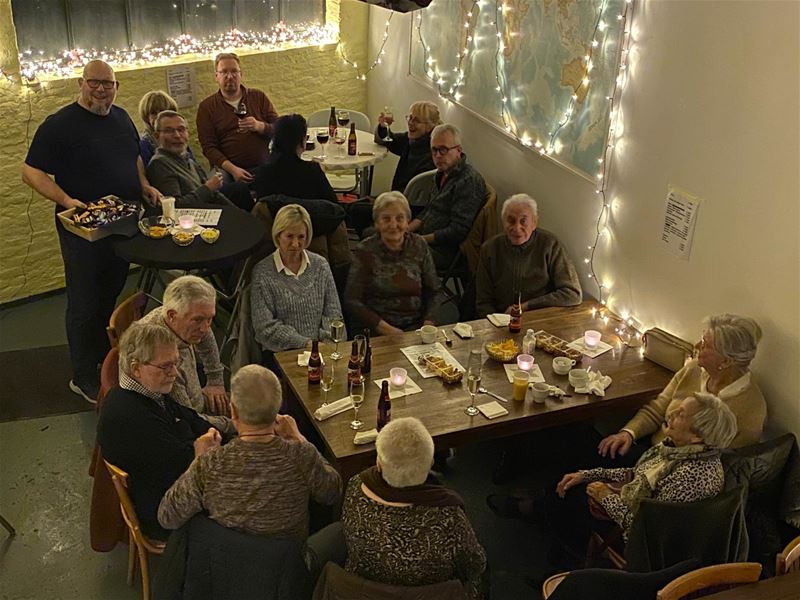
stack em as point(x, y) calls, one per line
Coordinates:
point(343, 118)
point(388, 119)
point(326, 381)
point(474, 368)
point(337, 335)
point(340, 137)
point(241, 112)
point(322, 138)
point(357, 396)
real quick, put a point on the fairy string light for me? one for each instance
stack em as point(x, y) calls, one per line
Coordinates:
point(378, 60)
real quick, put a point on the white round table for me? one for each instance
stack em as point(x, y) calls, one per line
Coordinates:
point(369, 154)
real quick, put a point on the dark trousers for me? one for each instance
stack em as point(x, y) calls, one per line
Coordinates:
point(95, 276)
point(238, 192)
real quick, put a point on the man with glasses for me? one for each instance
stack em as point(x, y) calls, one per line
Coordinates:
point(234, 125)
point(87, 150)
point(176, 173)
point(460, 194)
point(142, 430)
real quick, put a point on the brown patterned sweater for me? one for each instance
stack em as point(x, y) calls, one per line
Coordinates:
point(256, 488)
point(410, 545)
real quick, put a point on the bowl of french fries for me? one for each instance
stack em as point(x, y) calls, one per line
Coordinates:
point(503, 351)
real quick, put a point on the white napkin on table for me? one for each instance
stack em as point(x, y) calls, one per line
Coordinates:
point(334, 408)
point(499, 319)
point(464, 330)
point(534, 375)
point(596, 384)
point(365, 437)
point(556, 391)
point(492, 410)
point(410, 388)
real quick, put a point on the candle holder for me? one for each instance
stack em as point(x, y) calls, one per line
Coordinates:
point(397, 378)
point(186, 222)
point(591, 338)
point(525, 362)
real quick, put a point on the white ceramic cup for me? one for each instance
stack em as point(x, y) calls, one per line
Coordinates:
point(168, 207)
point(540, 392)
point(562, 365)
point(427, 333)
point(578, 377)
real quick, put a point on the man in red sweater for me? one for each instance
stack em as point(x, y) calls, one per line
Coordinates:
point(235, 124)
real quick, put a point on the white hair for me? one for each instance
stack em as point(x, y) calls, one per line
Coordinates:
point(713, 421)
point(735, 337)
point(447, 128)
point(520, 200)
point(405, 452)
point(256, 394)
point(187, 290)
point(140, 342)
point(387, 199)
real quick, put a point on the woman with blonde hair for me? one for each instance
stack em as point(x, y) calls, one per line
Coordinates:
point(152, 103)
point(293, 294)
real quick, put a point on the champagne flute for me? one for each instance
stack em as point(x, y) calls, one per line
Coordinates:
point(357, 396)
point(337, 334)
point(327, 379)
point(474, 368)
point(388, 119)
point(322, 138)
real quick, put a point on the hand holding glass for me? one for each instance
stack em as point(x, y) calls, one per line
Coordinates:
point(357, 396)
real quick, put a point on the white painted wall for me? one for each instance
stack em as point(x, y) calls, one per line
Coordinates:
point(712, 106)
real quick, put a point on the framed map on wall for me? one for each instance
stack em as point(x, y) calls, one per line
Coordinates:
point(544, 71)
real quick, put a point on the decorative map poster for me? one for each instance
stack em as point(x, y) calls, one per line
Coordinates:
point(542, 70)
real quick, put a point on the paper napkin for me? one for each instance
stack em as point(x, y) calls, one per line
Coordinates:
point(365, 437)
point(492, 410)
point(464, 330)
point(411, 388)
point(334, 408)
point(534, 375)
point(590, 352)
point(499, 319)
point(596, 384)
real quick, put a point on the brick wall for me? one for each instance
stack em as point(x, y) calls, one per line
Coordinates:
point(299, 80)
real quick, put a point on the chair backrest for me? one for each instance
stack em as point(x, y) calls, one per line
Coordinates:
point(664, 533)
point(109, 376)
point(320, 118)
point(120, 480)
point(484, 227)
point(708, 580)
point(131, 309)
point(789, 559)
point(420, 188)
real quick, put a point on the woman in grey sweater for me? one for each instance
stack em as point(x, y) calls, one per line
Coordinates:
point(293, 296)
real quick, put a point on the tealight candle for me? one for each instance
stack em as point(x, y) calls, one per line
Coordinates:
point(591, 338)
point(186, 221)
point(397, 377)
point(525, 362)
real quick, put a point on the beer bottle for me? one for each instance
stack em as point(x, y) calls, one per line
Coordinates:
point(332, 123)
point(352, 141)
point(366, 366)
point(314, 364)
point(384, 406)
point(515, 324)
point(354, 366)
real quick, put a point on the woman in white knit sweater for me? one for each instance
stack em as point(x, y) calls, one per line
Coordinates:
point(293, 296)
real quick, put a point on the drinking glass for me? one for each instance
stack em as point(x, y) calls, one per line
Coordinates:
point(337, 335)
point(357, 396)
point(340, 137)
point(327, 379)
point(343, 118)
point(388, 118)
point(322, 138)
point(241, 112)
point(474, 368)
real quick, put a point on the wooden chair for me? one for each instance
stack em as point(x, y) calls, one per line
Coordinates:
point(143, 545)
point(789, 559)
point(709, 580)
point(551, 583)
point(131, 309)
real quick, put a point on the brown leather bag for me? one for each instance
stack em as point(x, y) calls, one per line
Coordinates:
point(666, 349)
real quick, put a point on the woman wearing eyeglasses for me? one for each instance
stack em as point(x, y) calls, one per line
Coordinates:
point(413, 147)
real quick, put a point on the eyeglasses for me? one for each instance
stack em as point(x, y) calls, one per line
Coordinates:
point(166, 367)
point(442, 150)
point(171, 130)
point(233, 73)
point(107, 84)
point(417, 120)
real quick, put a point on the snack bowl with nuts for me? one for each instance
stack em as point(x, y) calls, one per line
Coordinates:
point(183, 238)
point(155, 227)
point(209, 235)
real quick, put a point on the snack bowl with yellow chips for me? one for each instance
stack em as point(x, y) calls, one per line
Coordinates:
point(209, 235)
point(504, 351)
point(183, 238)
point(156, 227)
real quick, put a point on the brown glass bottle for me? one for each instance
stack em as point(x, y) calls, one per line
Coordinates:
point(354, 366)
point(314, 364)
point(352, 141)
point(384, 406)
point(332, 123)
point(515, 324)
point(366, 365)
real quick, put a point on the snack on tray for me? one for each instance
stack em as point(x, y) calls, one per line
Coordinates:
point(504, 351)
point(438, 365)
point(102, 212)
point(556, 346)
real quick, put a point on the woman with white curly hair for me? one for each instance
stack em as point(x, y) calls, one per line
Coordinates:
point(403, 529)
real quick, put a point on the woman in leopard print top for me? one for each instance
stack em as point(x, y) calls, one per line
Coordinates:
point(685, 467)
point(402, 530)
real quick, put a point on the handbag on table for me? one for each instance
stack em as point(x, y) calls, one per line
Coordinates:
point(665, 349)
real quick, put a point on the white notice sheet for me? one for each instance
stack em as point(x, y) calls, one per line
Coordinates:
point(207, 217)
point(680, 217)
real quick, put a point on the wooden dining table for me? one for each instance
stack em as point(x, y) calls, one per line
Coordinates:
point(783, 587)
point(441, 407)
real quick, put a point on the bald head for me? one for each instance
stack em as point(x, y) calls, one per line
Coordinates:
point(98, 87)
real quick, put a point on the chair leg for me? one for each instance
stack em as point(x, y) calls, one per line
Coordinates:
point(11, 531)
point(145, 573)
point(131, 559)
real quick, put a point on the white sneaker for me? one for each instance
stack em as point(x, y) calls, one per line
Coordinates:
point(86, 394)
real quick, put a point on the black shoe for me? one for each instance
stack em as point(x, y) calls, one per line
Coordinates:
point(87, 390)
point(506, 469)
